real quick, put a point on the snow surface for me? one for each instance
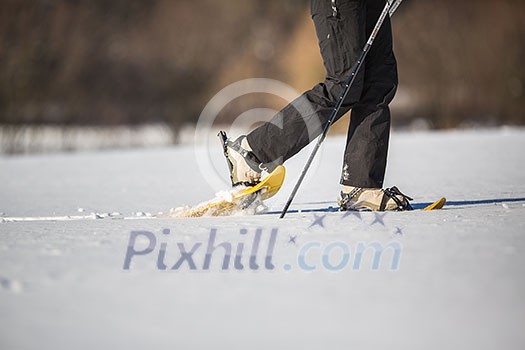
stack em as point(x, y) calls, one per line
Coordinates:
point(459, 285)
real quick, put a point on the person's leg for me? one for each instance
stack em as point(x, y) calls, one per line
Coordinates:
point(341, 37)
point(368, 135)
point(366, 150)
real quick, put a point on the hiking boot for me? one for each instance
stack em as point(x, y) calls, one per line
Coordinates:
point(245, 168)
point(375, 199)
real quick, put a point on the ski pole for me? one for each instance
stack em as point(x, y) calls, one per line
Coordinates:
point(393, 6)
point(389, 9)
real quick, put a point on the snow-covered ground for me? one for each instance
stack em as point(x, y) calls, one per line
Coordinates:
point(457, 280)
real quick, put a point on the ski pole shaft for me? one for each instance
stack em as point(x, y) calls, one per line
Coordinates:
point(388, 10)
point(393, 6)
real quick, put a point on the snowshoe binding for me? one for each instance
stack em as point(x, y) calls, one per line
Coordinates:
point(389, 199)
point(245, 168)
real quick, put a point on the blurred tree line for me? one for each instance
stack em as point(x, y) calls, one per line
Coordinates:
point(99, 62)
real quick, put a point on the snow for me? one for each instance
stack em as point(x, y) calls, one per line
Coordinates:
point(66, 227)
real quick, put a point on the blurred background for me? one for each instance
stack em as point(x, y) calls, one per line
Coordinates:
point(77, 74)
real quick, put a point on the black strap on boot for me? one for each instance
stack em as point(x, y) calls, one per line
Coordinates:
point(251, 159)
point(393, 193)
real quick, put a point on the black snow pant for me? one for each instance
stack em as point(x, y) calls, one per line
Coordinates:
point(342, 34)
